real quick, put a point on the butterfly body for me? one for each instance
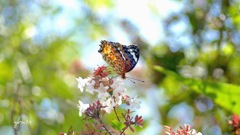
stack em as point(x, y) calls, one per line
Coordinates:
point(121, 58)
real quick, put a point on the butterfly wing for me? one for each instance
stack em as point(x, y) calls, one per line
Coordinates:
point(131, 56)
point(111, 53)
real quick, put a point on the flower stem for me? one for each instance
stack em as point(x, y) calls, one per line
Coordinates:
point(116, 113)
point(105, 127)
point(123, 131)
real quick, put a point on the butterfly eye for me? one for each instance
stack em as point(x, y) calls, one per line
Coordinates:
point(100, 50)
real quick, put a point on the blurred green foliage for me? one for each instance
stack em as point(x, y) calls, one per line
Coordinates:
point(206, 78)
point(39, 62)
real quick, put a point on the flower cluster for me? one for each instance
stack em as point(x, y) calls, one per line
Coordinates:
point(181, 131)
point(129, 120)
point(235, 123)
point(110, 94)
point(110, 91)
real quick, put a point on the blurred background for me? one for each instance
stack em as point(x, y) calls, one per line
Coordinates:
point(189, 60)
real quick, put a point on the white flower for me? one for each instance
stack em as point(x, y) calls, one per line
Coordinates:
point(108, 98)
point(191, 131)
point(90, 87)
point(82, 107)
point(118, 87)
point(110, 104)
point(82, 83)
point(102, 92)
point(194, 132)
point(118, 99)
point(199, 133)
point(134, 102)
point(168, 130)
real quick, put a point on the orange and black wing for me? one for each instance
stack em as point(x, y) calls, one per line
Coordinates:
point(121, 57)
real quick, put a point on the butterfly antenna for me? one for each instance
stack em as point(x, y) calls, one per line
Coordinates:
point(131, 79)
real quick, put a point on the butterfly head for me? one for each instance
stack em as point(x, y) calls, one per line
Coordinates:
point(105, 47)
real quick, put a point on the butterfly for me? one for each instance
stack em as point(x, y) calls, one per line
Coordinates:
point(120, 57)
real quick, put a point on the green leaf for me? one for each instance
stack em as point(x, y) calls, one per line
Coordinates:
point(117, 125)
point(224, 94)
